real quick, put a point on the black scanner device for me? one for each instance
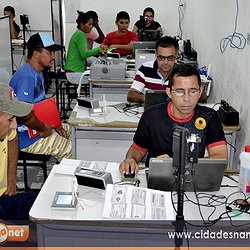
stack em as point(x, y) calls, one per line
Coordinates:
point(129, 175)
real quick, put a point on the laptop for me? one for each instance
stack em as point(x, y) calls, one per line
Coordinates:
point(144, 45)
point(142, 56)
point(153, 97)
point(208, 175)
point(149, 35)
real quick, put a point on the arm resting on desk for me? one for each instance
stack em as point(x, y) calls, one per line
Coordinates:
point(135, 96)
point(219, 152)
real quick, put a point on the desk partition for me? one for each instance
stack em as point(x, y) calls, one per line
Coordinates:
point(6, 59)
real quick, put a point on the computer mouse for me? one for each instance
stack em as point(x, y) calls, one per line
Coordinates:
point(129, 175)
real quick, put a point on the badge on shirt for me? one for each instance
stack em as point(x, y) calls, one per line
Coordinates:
point(200, 123)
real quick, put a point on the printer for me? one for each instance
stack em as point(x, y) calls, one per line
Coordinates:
point(108, 68)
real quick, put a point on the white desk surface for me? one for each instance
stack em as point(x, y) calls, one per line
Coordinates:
point(112, 118)
point(94, 200)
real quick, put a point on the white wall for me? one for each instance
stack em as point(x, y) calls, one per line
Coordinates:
point(38, 12)
point(206, 23)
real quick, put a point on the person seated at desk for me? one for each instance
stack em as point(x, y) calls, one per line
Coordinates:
point(121, 40)
point(14, 28)
point(154, 133)
point(147, 22)
point(78, 50)
point(28, 85)
point(154, 74)
point(92, 36)
point(13, 206)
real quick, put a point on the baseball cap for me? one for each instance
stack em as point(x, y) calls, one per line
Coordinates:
point(10, 104)
point(42, 40)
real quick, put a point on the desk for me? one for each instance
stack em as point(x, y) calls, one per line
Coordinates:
point(114, 90)
point(105, 138)
point(108, 138)
point(87, 227)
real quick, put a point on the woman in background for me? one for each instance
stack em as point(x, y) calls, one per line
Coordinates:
point(148, 22)
point(78, 50)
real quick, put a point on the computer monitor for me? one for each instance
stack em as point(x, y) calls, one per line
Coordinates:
point(143, 55)
point(208, 175)
point(148, 35)
point(153, 97)
point(144, 45)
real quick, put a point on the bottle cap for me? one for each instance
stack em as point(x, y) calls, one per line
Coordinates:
point(247, 148)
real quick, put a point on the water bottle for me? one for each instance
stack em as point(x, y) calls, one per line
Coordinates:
point(244, 179)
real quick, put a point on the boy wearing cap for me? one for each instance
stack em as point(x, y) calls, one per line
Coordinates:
point(12, 206)
point(28, 85)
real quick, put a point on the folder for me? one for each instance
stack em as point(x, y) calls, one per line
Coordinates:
point(47, 112)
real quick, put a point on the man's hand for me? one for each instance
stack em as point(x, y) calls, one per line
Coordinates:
point(129, 163)
point(61, 131)
point(11, 188)
point(104, 48)
point(163, 156)
point(46, 131)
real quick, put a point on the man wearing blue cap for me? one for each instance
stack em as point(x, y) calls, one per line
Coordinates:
point(28, 85)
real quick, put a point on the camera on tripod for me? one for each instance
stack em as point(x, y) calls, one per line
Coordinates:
point(24, 19)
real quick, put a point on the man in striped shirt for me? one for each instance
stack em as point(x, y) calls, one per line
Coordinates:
point(154, 74)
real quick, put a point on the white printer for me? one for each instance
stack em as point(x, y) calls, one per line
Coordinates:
point(108, 68)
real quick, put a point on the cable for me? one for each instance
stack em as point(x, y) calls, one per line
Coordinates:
point(236, 40)
point(180, 17)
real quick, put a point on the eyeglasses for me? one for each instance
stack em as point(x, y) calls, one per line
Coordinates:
point(182, 92)
point(163, 58)
point(149, 16)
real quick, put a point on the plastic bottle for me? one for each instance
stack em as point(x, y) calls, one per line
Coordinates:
point(181, 46)
point(244, 179)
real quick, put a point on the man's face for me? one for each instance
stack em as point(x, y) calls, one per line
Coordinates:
point(45, 58)
point(122, 25)
point(9, 13)
point(166, 59)
point(7, 122)
point(184, 105)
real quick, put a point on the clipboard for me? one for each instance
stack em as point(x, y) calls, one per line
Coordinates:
point(47, 112)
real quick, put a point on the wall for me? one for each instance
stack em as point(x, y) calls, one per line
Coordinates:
point(38, 12)
point(206, 23)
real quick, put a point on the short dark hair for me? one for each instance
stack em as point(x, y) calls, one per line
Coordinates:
point(82, 18)
point(93, 14)
point(183, 70)
point(122, 15)
point(166, 42)
point(149, 9)
point(10, 9)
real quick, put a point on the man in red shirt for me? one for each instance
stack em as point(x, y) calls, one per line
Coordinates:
point(122, 39)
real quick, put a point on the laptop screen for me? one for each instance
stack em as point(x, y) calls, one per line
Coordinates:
point(153, 97)
point(207, 177)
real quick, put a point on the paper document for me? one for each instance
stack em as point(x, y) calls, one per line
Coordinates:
point(130, 202)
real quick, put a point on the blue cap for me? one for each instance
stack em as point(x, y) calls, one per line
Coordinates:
point(42, 40)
